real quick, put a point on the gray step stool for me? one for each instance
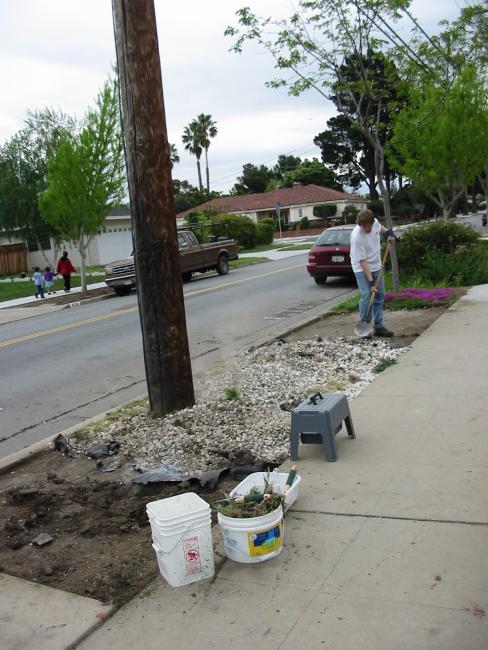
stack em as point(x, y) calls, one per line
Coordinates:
point(317, 420)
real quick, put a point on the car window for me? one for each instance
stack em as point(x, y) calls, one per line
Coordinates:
point(341, 237)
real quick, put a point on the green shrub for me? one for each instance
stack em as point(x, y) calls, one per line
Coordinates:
point(425, 247)
point(292, 226)
point(468, 265)
point(304, 223)
point(325, 211)
point(264, 233)
point(350, 213)
point(238, 227)
point(377, 208)
point(404, 210)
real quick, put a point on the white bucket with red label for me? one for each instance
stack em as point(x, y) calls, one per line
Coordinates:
point(182, 538)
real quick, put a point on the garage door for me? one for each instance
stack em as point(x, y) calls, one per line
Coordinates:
point(114, 244)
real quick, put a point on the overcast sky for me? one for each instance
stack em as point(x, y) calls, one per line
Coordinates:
point(58, 53)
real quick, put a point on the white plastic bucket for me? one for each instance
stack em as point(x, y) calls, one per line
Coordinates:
point(255, 539)
point(182, 538)
point(276, 479)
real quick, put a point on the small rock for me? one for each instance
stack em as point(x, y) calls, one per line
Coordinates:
point(42, 540)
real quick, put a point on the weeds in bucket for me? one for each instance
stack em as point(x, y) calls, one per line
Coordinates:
point(258, 502)
point(255, 504)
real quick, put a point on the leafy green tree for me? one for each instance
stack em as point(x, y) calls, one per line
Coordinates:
point(253, 180)
point(23, 176)
point(187, 196)
point(332, 46)
point(348, 153)
point(440, 138)
point(207, 130)
point(286, 163)
point(191, 140)
point(312, 172)
point(86, 177)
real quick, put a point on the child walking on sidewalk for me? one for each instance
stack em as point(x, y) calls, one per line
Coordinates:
point(49, 280)
point(38, 283)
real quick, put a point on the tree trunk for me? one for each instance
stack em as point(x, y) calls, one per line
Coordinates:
point(160, 292)
point(385, 195)
point(200, 184)
point(474, 207)
point(371, 183)
point(206, 169)
point(82, 248)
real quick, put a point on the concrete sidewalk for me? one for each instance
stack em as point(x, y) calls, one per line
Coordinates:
point(385, 548)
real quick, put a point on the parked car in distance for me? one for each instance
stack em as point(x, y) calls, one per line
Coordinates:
point(194, 258)
point(331, 254)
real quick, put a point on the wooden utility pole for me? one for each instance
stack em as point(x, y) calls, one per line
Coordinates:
point(159, 285)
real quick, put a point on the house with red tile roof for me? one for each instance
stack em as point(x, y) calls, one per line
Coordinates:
point(294, 203)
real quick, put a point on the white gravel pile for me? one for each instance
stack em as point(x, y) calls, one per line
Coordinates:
point(246, 407)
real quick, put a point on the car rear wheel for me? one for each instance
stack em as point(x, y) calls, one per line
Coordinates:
point(320, 279)
point(122, 291)
point(186, 276)
point(222, 265)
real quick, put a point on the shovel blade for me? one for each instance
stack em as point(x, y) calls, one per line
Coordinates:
point(363, 329)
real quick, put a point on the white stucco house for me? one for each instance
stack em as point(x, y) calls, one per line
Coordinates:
point(294, 203)
point(115, 241)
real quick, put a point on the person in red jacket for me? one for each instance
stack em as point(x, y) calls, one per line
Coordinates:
point(65, 268)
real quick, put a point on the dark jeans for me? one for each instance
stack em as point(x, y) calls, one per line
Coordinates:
point(39, 290)
point(67, 282)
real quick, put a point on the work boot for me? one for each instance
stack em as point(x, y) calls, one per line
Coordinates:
point(382, 331)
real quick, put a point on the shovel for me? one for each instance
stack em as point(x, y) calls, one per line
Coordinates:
point(364, 328)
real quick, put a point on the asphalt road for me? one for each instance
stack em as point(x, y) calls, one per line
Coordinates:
point(60, 368)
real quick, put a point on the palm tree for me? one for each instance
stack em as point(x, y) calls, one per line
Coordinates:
point(207, 129)
point(192, 141)
point(174, 156)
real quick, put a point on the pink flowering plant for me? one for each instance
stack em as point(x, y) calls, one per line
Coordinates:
point(415, 298)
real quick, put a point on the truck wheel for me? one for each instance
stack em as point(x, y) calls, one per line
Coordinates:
point(122, 291)
point(320, 279)
point(222, 265)
point(186, 276)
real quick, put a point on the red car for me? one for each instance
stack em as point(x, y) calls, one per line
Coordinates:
point(330, 255)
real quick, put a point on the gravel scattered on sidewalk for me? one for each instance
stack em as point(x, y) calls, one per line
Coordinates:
point(266, 384)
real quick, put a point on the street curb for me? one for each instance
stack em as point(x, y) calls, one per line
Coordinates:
point(79, 303)
point(18, 457)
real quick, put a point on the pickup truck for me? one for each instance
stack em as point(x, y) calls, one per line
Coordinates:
point(194, 258)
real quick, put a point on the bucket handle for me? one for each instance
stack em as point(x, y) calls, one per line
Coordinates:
point(314, 398)
point(188, 528)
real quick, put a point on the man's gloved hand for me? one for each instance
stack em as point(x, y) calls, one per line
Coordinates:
point(390, 233)
point(372, 285)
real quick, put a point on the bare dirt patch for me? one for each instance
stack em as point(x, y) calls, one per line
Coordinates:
point(406, 325)
point(101, 544)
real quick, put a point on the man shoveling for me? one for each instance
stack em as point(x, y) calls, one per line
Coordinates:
point(368, 269)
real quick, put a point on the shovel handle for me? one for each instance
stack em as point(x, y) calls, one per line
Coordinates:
point(378, 279)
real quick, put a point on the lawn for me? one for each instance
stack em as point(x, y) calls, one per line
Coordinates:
point(13, 290)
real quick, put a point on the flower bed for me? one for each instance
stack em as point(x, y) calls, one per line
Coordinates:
point(413, 298)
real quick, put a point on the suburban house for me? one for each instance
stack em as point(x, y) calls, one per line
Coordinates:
point(114, 241)
point(293, 202)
